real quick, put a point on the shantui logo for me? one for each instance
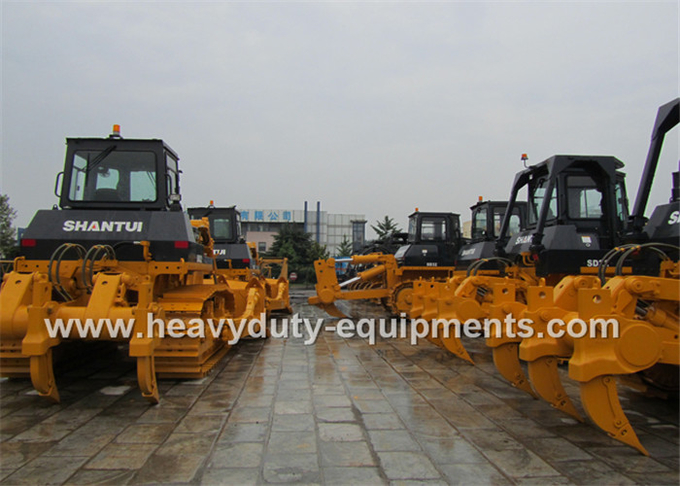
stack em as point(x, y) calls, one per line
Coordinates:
point(103, 226)
point(521, 240)
point(675, 217)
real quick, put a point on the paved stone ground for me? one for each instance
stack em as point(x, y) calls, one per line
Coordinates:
point(338, 412)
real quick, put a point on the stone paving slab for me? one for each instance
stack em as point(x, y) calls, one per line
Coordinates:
point(339, 412)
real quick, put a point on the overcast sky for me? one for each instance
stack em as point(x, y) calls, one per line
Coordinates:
point(373, 108)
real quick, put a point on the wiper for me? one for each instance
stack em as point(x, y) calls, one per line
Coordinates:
point(101, 156)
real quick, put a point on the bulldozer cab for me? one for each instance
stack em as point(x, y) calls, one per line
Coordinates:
point(427, 227)
point(119, 173)
point(577, 209)
point(487, 218)
point(225, 223)
point(116, 192)
point(433, 240)
point(230, 249)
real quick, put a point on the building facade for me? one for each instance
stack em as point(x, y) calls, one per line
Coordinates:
point(261, 224)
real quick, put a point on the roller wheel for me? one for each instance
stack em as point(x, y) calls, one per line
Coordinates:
point(401, 299)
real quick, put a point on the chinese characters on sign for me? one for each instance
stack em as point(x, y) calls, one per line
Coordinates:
point(266, 215)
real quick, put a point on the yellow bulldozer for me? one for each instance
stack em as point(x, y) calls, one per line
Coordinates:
point(643, 302)
point(430, 252)
point(119, 261)
point(428, 261)
point(485, 223)
point(236, 259)
point(557, 240)
point(573, 260)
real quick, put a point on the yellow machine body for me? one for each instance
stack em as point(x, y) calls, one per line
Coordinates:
point(172, 292)
point(384, 280)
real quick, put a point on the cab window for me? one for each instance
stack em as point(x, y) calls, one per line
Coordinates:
point(479, 224)
point(621, 202)
point(537, 199)
point(433, 229)
point(412, 229)
point(171, 177)
point(239, 231)
point(111, 175)
point(77, 187)
point(515, 221)
point(584, 198)
point(222, 229)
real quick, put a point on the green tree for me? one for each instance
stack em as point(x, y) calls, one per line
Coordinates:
point(386, 228)
point(345, 248)
point(293, 243)
point(7, 231)
point(318, 252)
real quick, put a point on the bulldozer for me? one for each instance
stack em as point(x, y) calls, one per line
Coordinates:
point(485, 223)
point(120, 249)
point(231, 252)
point(485, 226)
point(434, 239)
point(576, 212)
point(236, 259)
point(577, 239)
point(644, 302)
